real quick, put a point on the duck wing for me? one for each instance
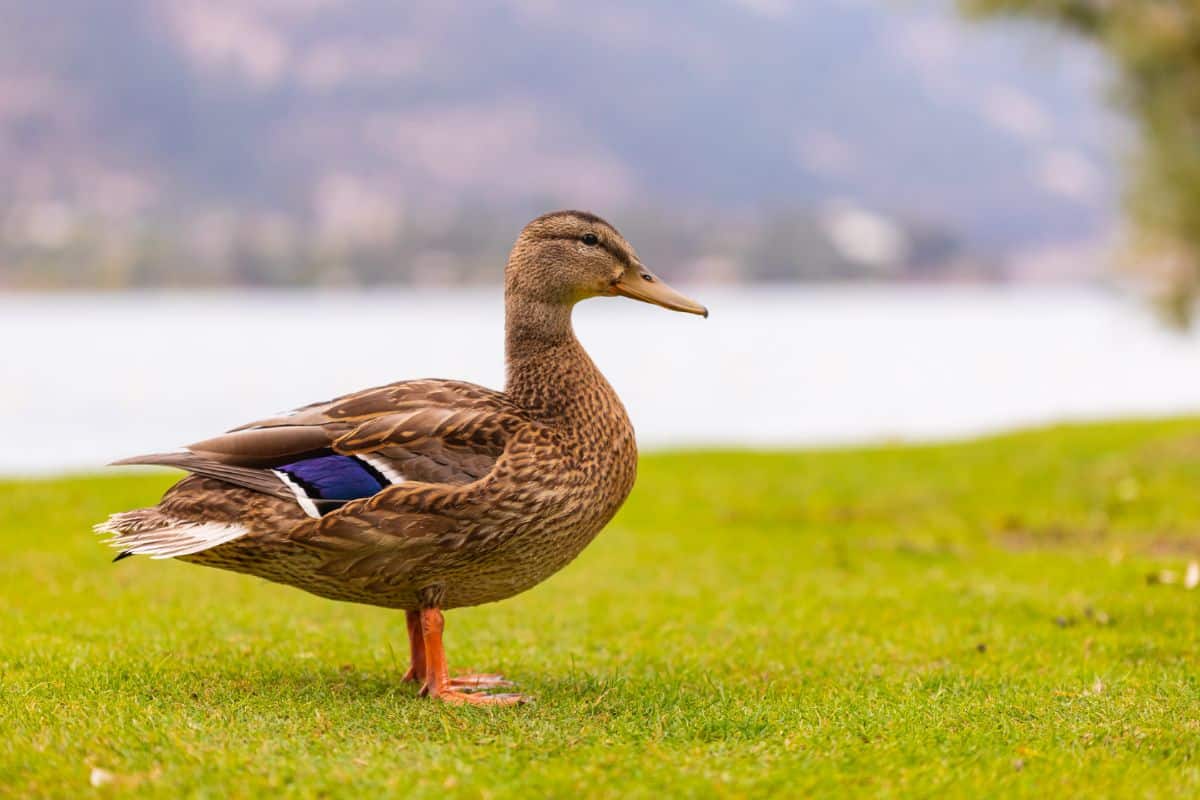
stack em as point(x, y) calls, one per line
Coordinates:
point(327, 454)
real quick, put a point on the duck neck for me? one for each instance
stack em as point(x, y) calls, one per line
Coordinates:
point(549, 373)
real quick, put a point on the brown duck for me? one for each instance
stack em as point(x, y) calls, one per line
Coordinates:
point(429, 494)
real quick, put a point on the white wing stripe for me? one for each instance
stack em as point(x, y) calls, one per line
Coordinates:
point(383, 467)
point(303, 499)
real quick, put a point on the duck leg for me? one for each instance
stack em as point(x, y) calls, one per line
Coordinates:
point(464, 689)
point(416, 648)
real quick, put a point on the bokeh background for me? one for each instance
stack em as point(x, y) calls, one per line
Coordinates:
point(910, 219)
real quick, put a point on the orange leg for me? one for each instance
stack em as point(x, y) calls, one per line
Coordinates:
point(466, 689)
point(416, 648)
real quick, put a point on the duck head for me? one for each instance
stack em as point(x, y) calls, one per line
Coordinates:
point(563, 257)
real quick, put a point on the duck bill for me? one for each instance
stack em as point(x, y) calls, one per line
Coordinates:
point(640, 283)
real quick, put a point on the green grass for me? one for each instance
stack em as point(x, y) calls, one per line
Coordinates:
point(965, 620)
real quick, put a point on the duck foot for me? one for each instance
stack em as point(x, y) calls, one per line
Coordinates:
point(471, 698)
point(478, 683)
point(464, 689)
point(471, 684)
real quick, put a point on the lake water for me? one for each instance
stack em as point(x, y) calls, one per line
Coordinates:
point(85, 379)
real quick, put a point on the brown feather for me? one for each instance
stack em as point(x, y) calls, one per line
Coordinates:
point(257, 479)
point(265, 446)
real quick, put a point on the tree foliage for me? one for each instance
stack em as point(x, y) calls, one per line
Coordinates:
point(1155, 45)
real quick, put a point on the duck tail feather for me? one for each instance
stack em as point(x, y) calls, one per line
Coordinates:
point(260, 480)
point(148, 531)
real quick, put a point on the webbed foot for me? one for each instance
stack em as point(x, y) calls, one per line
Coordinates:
point(461, 690)
point(480, 699)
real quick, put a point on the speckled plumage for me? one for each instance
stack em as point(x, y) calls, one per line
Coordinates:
point(495, 491)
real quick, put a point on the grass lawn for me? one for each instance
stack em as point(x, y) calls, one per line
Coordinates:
point(963, 620)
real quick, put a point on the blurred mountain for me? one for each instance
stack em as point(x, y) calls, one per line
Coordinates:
point(266, 125)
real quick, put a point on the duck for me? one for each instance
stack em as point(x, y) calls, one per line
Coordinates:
point(428, 495)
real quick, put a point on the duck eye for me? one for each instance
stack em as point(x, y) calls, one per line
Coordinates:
point(591, 239)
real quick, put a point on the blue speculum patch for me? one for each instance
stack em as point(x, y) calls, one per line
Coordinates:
point(334, 477)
